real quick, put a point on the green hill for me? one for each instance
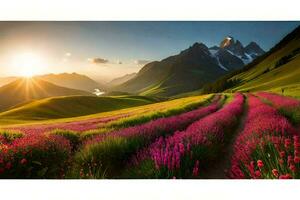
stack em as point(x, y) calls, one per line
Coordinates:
point(72, 106)
point(278, 70)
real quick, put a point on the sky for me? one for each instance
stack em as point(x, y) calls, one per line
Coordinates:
point(105, 50)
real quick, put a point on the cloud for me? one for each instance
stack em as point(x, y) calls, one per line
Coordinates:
point(97, 60)
point(66, 57)
point(142, 62)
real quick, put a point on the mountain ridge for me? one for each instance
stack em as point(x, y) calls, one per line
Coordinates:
point(184, 72)
point(121, 79)
point(72, 80)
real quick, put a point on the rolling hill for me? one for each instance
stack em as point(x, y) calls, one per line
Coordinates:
point(72, 106)
point(24, 90)
point(73, 80)
point(278, 70)
point(190, 69)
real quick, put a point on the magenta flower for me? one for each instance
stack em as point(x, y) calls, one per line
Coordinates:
point(282, 154)
point(260, 164)
point(287, 143)
point(196, 169)
point(257, 174)
point(275, 173)
point(23, 161)
point(286, 176)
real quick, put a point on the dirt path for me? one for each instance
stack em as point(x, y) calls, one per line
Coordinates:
point(217, 171)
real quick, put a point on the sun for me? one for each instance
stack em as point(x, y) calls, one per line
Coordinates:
point(28, 64)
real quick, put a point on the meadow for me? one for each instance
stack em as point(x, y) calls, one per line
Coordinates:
point(224, 135)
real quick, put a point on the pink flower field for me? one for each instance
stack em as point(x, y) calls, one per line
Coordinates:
point(250, 136)
point(183, 153)
point(263, 137)
point(280, 101)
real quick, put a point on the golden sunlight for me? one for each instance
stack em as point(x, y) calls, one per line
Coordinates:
point(28, 64)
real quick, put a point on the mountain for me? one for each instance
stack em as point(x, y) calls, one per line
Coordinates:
point(254, 50)
point(278, 70)
point(23, 90)
point(189, 70)
point(73, 80)
point(120, 80)
point(235, 47)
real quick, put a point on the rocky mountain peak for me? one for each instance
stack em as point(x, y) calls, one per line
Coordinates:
point(196, 48)
point(227, 41)
point(198, 45)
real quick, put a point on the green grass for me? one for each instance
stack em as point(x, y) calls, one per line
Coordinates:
point(187, 94)
point(72, 106)
point(228, 97)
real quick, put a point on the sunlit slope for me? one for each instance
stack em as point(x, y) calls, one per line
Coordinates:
point(72, 106)
point(24, 90)
point(269, 75)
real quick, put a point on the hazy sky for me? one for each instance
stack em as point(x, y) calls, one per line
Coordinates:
point(111, 49)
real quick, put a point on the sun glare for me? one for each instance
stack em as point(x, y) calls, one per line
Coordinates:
point(28, 64)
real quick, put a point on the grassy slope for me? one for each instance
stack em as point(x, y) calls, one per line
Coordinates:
point(72, 106)
point(187, 94)
point(153, 90)
point(285, 76)
point(15, 121)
